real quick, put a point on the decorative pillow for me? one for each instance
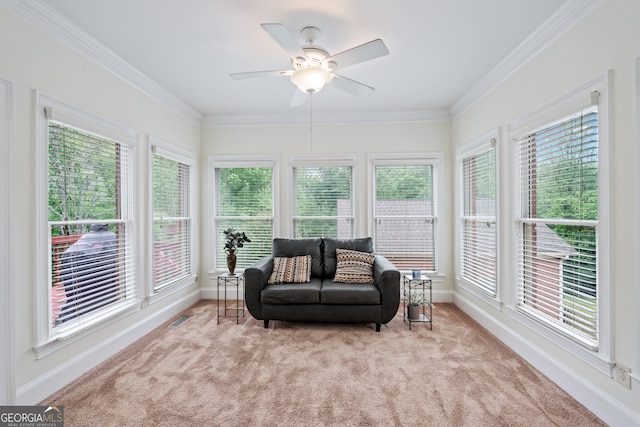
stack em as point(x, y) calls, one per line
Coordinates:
point(354, 266)
point(295, 269)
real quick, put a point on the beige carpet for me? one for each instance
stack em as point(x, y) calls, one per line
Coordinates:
point(204, 374)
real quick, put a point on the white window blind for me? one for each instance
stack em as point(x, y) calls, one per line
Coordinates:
point(558, 258)
point(244, 201)
point(478, 252)
point(172, 220)
point(404, 215)
point(323, 201)
point(91, 239)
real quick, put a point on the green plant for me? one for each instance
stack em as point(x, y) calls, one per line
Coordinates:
point(415, 297)
point(234, 240)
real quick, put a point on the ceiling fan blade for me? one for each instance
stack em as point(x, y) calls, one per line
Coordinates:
point(298, 98)
point(260, 74)
point(351, 86)
point(371, 50)
point(284, 38)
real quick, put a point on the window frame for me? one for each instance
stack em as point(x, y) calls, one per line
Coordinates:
point(433, 159)
point(46, 340)
point(160, 147)
point(323, 161)
point(476, 147)
point(534, 121)
point(235, 161)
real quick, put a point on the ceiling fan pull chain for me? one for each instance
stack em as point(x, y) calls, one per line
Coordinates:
point(311, 122)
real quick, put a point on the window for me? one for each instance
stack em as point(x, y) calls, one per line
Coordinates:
point(172, 183)
point(477, 266)
point(89, 220)
point(405, 211)
point(244, 199)
point(559, 224)
point(323, 200)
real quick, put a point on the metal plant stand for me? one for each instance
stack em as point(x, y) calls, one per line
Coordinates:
point(412, 286)
point(227, 280)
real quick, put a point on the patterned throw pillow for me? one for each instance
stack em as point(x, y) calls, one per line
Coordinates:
point(291, 270)
point(354, 267)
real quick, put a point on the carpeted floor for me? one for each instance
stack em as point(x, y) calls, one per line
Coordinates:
point(206, 374)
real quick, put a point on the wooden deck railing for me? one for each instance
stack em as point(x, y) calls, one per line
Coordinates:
point(59, 244)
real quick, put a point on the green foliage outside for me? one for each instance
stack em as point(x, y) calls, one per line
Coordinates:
point(245, 192)
point(82, 178)
point(567, 183)
point(171, 202)
point(322, 192)
point(486, 179)
point(404, 182)
point(170, 188)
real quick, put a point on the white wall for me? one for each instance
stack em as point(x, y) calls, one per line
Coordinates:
point(32, 60)
point(608, 39)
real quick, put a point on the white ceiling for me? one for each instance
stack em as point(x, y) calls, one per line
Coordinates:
point(440, 50)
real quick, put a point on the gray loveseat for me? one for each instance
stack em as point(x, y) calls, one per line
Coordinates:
point(322, 300)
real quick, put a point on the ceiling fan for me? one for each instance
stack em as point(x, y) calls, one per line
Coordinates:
point(313, 67)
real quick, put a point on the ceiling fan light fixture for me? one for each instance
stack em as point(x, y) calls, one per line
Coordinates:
point(310, 79)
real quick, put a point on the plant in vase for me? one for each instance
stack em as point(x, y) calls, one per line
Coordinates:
point(414, 299)
point(233, 240)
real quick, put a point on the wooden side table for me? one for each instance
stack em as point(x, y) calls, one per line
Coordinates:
point(226, 281)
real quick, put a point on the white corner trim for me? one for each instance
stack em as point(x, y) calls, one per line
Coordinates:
point(635, 373)
point(565, 18)
point(606, 407)
point(7, 271)
point(49, 21)
point(47, 384)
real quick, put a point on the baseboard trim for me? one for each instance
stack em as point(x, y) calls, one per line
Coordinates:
point(47, 384)
point(602, 404)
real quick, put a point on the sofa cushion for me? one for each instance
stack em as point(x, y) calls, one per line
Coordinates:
point(292, 293)
point(364, 244)
point(349, 293)
point(295, 269)
point(297, 247)
point(354, 267)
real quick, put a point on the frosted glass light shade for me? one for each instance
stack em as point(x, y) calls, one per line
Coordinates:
point(310, 79)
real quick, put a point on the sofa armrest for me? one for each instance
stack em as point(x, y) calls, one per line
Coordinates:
point(255, 279)
point(387, 278)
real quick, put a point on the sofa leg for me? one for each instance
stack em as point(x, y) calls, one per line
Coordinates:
point(377, 327)
point(266, 324)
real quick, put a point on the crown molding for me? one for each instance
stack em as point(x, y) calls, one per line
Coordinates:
point(558, 24)
point(298, 118)
point(55, 25)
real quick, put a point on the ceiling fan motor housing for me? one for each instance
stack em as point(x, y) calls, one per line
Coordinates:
point(315, 56)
